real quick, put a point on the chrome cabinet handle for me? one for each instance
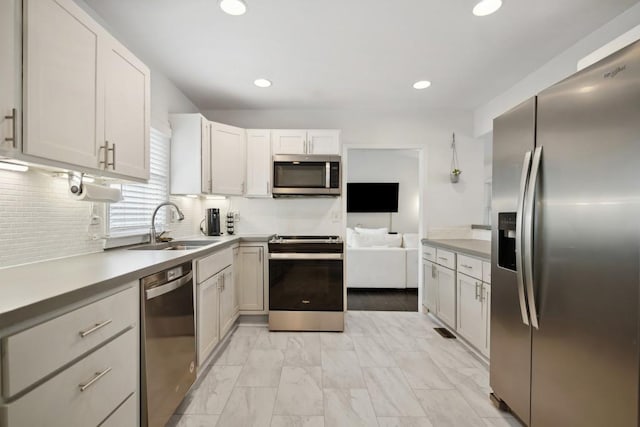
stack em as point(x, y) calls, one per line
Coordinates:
point(434, 271)
point(443, 258)
point(113, 158)
point(94, 328)
point(104, 148)
point(14, 119)
point(477, 291)
point(524, 179)
point(528, 236)
point(93, 380)
point(466, 266)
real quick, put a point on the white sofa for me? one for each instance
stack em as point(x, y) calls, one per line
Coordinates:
point(376, 259)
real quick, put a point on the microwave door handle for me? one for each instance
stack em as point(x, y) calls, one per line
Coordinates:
point(327, 179)
point(526, 166)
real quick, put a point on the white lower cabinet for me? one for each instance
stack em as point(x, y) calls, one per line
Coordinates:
point(430, 290)
point(486, 318)
point(228, 300)
point(76, 369)
point(126, 415)
point(217, 300)
point(471, 311)
point(208, 317)
point(446, 308)
point(251, 278)
point(83, 394)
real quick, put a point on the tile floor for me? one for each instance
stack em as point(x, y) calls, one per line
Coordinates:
point(387, 369)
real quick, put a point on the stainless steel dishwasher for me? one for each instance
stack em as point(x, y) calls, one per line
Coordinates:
point(168, 342)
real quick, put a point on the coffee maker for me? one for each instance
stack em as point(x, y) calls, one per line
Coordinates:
point(213, 222)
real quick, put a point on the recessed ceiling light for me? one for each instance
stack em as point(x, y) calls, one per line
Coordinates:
point(422, 84)
point(233, 7)
point(486, 7)
point(262, 82)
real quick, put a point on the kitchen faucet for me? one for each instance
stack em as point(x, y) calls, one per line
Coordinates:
point(152, 232)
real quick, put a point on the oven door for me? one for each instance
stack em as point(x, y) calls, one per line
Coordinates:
point(306, 282)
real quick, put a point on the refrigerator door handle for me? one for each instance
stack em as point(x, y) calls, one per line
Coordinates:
point(526, 166)
point(528, 235)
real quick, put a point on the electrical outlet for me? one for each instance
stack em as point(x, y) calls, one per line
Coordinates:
point(236, 216)
point(95, 220)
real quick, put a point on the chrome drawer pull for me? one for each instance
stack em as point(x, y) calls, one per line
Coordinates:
point(93, 380)
point(443, 258)
point(94, 328)
point(466, 266)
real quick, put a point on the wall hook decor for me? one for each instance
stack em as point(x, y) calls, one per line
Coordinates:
point(454, 175)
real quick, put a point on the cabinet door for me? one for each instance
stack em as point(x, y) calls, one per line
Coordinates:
point(64, 84)
point(258, 163)
point(289, 141)
point(205, 145)
point(430, 289)
point(227, 159)
point(447, 296)
point(228, 300)
point(208, 326)
point(251, 278)
point(127, 112)
point(471, 319)
point(10, 72)
point(486, 306)
point(323, 142)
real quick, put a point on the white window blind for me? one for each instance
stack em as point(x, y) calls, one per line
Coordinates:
point(132, 216)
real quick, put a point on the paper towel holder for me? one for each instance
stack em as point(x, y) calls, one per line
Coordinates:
point(75, 183)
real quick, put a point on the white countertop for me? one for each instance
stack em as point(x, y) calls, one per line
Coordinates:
point(479, 248)
point(30, 290)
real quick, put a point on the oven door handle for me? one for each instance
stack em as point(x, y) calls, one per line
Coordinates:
point(161, 290)
point(300, 256)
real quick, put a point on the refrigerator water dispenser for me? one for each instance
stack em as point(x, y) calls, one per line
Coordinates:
point(507, 240)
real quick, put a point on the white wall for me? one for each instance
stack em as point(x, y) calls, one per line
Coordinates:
point(399, 166)
point(560, 67)
point(447, 205)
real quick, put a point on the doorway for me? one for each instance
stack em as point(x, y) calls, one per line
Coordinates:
point(382, 234)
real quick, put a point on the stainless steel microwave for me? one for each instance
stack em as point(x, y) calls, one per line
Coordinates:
point(300, 175)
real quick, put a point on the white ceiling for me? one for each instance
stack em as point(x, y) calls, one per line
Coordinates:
point(350, 53)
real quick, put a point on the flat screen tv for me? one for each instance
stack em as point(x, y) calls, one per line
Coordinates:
point(372, 197)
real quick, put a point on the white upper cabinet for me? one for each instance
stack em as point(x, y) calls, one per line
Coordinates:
point(227, 159)
point(86, 97)
point(323, 141)
point(190, 154)
point(10, 77)
point(295, 141)
point(258, 163)
point(289, 141)
point(64, 99)
point(127, 112)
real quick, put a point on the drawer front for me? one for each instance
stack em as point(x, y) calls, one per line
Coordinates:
point(486, 272)
point(446, 258)
point(61, 402)
point(470, 266)
point(125, 416)
point(212, 264)
point(35, 353)
point(429, 253)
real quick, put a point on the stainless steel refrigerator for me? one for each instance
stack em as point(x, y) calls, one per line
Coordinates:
point(566, 250)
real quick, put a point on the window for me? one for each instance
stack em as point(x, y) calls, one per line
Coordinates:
point(132, 216)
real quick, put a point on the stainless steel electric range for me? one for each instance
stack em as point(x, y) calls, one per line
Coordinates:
point(306, 287)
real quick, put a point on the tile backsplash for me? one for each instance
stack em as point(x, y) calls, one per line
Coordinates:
point(38, 220)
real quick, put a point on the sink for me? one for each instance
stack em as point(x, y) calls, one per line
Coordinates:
point(176, 245)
